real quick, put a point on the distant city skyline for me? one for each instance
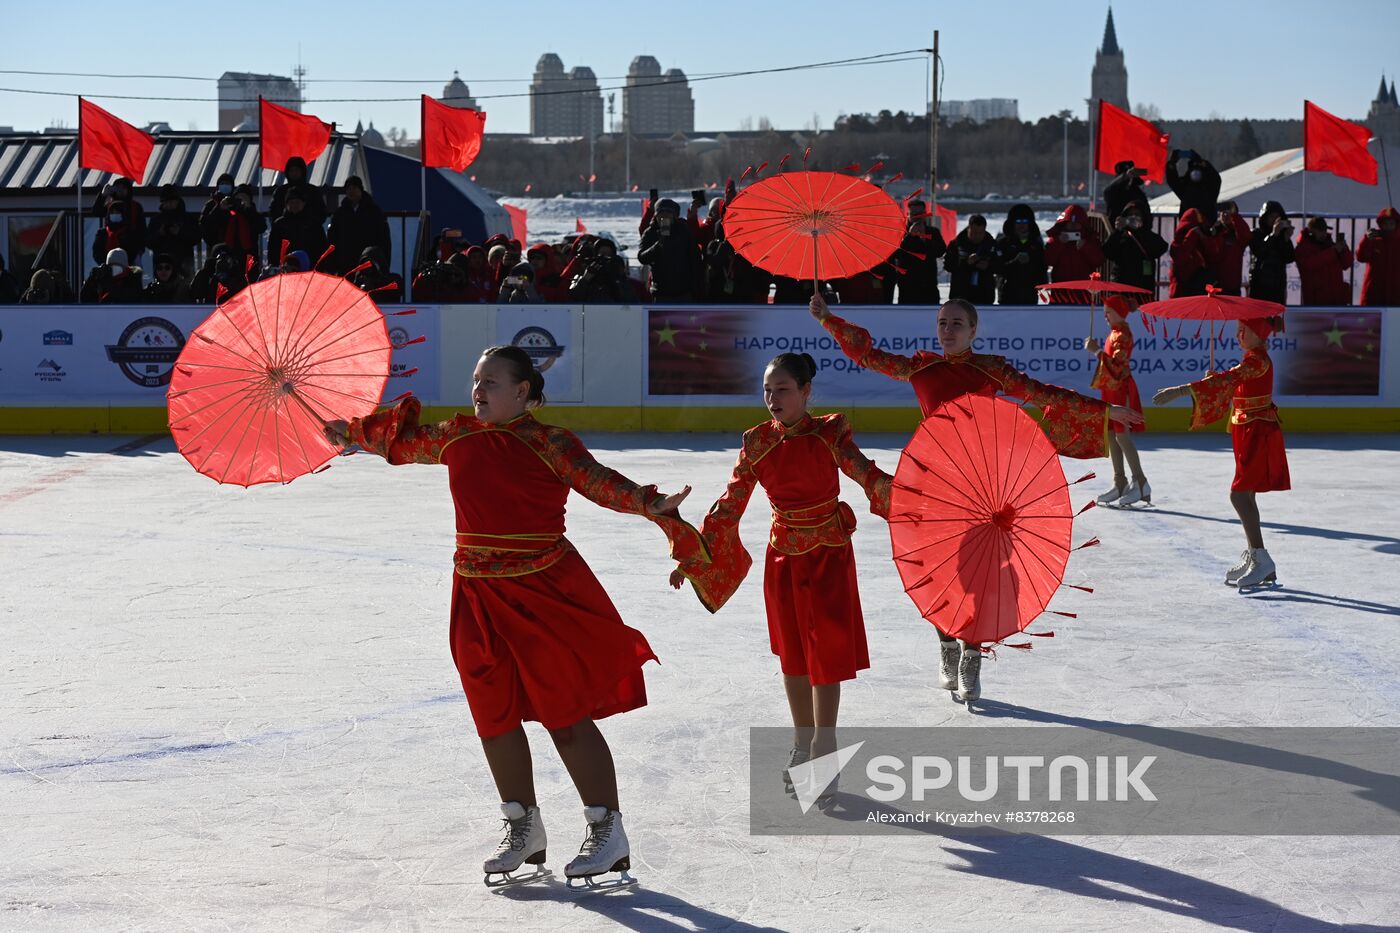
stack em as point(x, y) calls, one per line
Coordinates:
point(1246, 60)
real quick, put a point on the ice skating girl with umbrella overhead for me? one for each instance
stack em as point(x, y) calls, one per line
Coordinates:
point(815, 626)
point(534, 636)
point(1114, 380)
point(1245, 393)
point(1075, 424)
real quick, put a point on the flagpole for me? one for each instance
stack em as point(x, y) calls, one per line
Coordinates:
point(260, 156)
point(78, 217)
point(422, 158)
point(1390, 199)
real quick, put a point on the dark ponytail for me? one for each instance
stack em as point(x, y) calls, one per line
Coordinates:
point(800, 366)
point(522, 369)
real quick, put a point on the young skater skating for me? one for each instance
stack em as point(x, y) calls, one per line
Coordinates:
point(533, 634)
point(1245, 392)
point(815, 625)
point(1075, 424)
point(1114, 380)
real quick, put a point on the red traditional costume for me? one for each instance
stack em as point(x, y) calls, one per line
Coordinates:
point(533, 634)
point(815, 625)
point(1246, 394)
point(1076, 425)
point(1113, 377)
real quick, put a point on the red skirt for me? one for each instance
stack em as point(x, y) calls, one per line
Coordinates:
point(815, 626)
point(1128, 396)
point(547, 647)
point(1261, 463)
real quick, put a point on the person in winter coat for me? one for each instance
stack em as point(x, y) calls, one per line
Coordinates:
point(9, 286)
point(549, 280)
point(480, 285)
point(668, 248)
point(1199, 188)
point(1126, 188)
point(1234, 237)
point(1270, 252)
point(1073, 253)
point(295, 175)
point(376, 277)
point(222, 276)
point(1019, 256)
point(1379, 249)
point(121, 229)
point(1195, 253)
point(45, 288)
point(1134, 248)
point(297, 228)
point(519, 286)
point(356, 225)
point(233, 220)
point(969, 263)
point(114, 282)
point(173, 231)
point(601, 277)
point(1322, 264)
point(169, 285)
point(918, 254)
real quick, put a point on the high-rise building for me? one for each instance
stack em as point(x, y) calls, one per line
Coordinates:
point(656, 103)
point(239, 92)
point(456, 94)
point(1109, 80)
point(980, 110)
point(564, 104)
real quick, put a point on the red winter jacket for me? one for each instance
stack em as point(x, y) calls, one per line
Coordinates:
point(1190, 262)
point(1320, 272)
point(1381, 253)
point(1070, 262)
point(1229, 263)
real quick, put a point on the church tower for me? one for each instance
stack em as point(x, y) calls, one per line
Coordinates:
point(1109, 80)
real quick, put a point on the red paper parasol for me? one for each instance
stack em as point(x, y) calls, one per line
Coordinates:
point(1095, 285)
point(256, 382)
point(980, 519)
point(795, 223)
point(1212, 306)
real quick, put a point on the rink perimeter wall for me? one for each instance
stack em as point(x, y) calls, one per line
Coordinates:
point(105, 369)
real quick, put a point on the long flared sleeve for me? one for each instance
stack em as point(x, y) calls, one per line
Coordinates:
point(854, 463)
point(856, 343)
point(731, 560)
point(1213, 396)
point(396, 435)
point(1076, 424)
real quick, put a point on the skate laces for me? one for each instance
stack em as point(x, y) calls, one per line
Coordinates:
point(598, 835)
point(516, 833)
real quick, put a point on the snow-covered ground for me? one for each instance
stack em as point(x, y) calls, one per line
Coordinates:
point(235, 710)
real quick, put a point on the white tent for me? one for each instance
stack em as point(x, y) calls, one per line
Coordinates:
point(1278, 176)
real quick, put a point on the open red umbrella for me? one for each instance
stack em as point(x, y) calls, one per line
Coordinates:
point(1095, 285)
point(256, 382)
point(1212, 306)
point(796, 223)
point(980, 519)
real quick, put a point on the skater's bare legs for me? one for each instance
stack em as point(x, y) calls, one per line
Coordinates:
point(1115, 453)
point(1123, 448)
point(799, 696)
point(826, 704)
point(1247, 507)
point(589, 761)
point(814, 709)
point(509, 758)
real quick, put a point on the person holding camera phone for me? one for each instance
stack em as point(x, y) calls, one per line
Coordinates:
point(969, 263)
point(223, 275)
point(1270, 252)
point(1134, 248)
point(1073, 252)
point(1019, 258)
point(1126, 188)
point(231, 219)
point(1322, 264)
point(1232, 236)
point(1379, 249)
point(172, 231)
point(1199, 188)
point(668, 248)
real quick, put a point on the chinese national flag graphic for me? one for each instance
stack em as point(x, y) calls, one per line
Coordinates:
point(451, 135)
point(111, 145)
point(284, 133)
point(692, 352)
point(1336, 353)
point(1123, 137)
point(1331, 144)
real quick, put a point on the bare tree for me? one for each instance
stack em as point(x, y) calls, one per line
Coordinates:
point(1148, 111)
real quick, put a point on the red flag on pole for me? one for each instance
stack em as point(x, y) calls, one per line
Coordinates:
point(451, 135)
point(518, 223)
point(1331, 144)
point(947, 222)
point(284, 133)
point(578, 225)
point(111, 145)
point(1125, 138)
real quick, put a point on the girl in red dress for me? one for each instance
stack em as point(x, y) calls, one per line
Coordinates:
point(815, 626)
point(1076, 425)
point(533, 634)
point(1114, 380)
point(1261, 462)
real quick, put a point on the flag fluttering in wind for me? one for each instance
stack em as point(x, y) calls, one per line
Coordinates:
point(1123, 137)
point(109, 144)
point(284, 133)
point(1331, 144)
point(451, 135)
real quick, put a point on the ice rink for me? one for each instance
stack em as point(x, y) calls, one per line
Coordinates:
point(235, 710)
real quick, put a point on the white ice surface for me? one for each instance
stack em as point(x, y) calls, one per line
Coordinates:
point(235, 710)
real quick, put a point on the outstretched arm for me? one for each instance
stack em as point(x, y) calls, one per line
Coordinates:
point(855, 342)
point(730, 561)
point(396, 435)
point(854, 463)
point(1075, 424)
point(1212, 397)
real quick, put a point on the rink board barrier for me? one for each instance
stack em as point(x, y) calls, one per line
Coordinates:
point(79, 369)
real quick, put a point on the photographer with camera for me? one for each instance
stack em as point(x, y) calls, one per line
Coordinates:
point(1199, 188)
point(919, 284)
point(1322, 264)
point(603, 278)
point(1270, 252)
point(231, 219)
point(114, 282)
point(173, 231)
point(1073, 252)
point(668, 248)
point(1379, 249)
point(969, 263)
point(1134, 248)
point(519, 286)
point(1232, 234)
point(1125, 189)
point(1019, 258)
point(222, 276)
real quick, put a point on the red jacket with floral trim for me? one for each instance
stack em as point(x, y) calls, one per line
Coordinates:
point(1245, 392)
point(1113, 372)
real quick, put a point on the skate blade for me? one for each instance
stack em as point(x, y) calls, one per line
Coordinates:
point(1270, 584)
point(509, 879)
point(589, 884)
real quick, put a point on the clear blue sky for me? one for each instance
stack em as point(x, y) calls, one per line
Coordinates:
point(1229, 57)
